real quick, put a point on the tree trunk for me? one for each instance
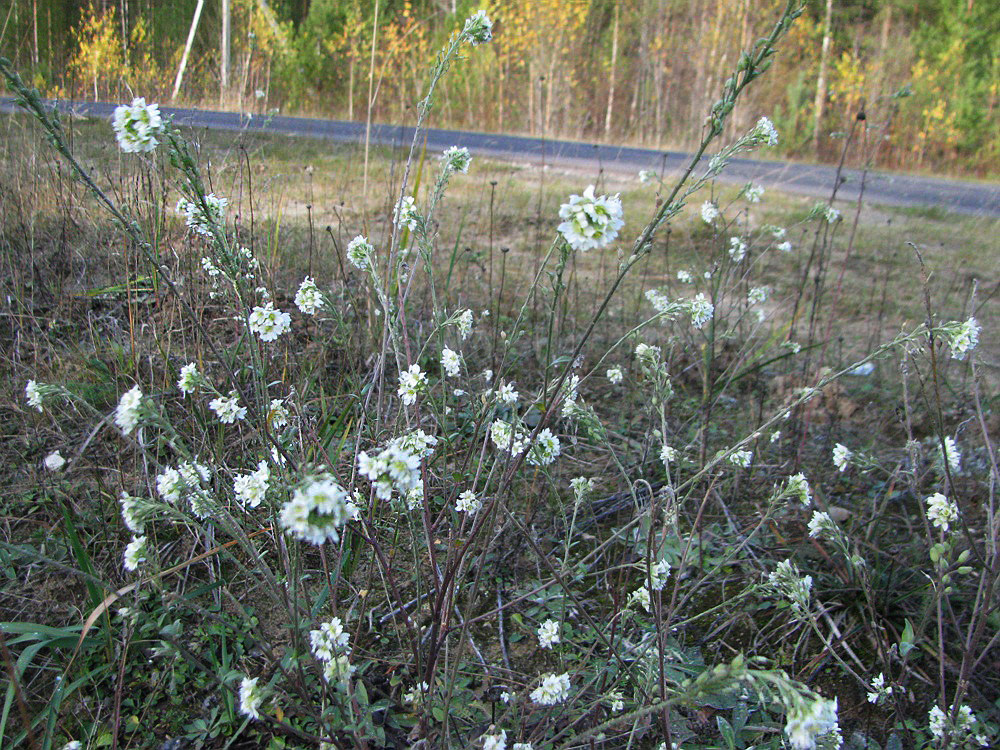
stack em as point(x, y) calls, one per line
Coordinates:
point(820, 102)
point(187, 49)
point(225, 51)
point(611, 83)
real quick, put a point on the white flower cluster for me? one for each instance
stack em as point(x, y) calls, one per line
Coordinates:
point(329, 640)
point(35, 393)
point(227, 408)
point(268, 322)
point(308, 298)
point(412, 382)
point(186, 482)
point(709, 212)
point(742, 458)
point(495, 741)
point(941, 511)
point(405, 213)
point(397, 466)
point(764, 132)
point(451, 362)
point(198, 218)
point(786, 582)
point(507, 394)
point(571, 392)
point(667, 455)
point(135, 553)
point(129, 410)
point(798, 486)
point(457, 159)
point(758, 295)
point(251, 697)
point(554, 689)
point(701, 310)
point(361, 253)
point(507, 437)
point(317, 510)
point(189, 378)
point(467, 502)
point(964, 730)
point(880, 692)
point(478, 28)
point(950, 455)
point(548, 634)
point(251, 488)
point(132, 513)
point(806, 722)
point(841, 456)
point(737, 249)
point(963, 337)
point(615, 375)
point(753, 193)
point(821, 524)
point(590, 221)
point(137, 125)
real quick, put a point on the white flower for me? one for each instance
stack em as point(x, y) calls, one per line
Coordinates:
point(523, 746)
point(277, 414)
point(753, 193)
point(758, 295)
point(330, 640)
point(554, 689)
point(841, 456)
point(54, 461)
point(765, 132)
point(33, 394)
point(709, 212)
point(952, 453)
point(615, 375)
point(821, 523)
point(684, 277)
point(268, 322)
point(451, 362)
point(468, 502)
point(457, 159)
point(701, 310)
point(317, 510)
point(417, 694)
point(941, 511)
point(405, 213)
point(963, 337)
point(786, 582)
point(137, 125)
point(545, 449)
point(128, 411)
point(135, 553)
point(737, 249)
point(506, 438)
point(805, 723)
point(617, 701)
point(507, 394)
point(478, 28)
point(251, 488)
point(360, 252)
point(548, 633)
point(73, 745)
point(412, 382)
point(397, 467)
point(799, 485)
point(646, 176)
point(250, 697)
point(507, 697)
point(189, 378)
point(200, 220)
point(831, 214)
point(647, 354)
point(308, 299)
point(590, 221)
point(464, 323)
point(741, 458)
point(667, 455)
point(785, 247)
point(227, 408)
point(880, 691)
point(495, 741)
point(641, 595)
point(132, 514)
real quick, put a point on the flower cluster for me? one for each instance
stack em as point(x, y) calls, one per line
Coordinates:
point(317, 510)
point(308, 298)
point(753, 193)
point(361, 253)
point(798, 486)
point(741, 458)
point(451, 362)
point(251, 697)
point(668, 455)
point(202, 218)
point(841, 457)
point(590, 221)
point(507, 394)
point(35, 394)
point(135, 553)
point(129, 410)
point(405, 213)
point(709, 212)
point(941, 511)
point(646, 176)
point(189, 378)
point(786, 582)
point(805, 722)
point(548, 634)
point(961, 728)
point(880, 692)
point(701, 310)
point(397, 466)
point(951, 455)
point(963, 337)
point(553, 689)
point(186, 482)
point(821, 524)
point(737, 249)
point(251, 488)
point(137, 125)
point(507, 437)
point(227, 408)
point(764, 132)
point(412, 382)
point(615, 375)
point(133, 513)
point(468, 503)
point(268, 322)
point(478, 28)
point(456, 159)
point(464, 323)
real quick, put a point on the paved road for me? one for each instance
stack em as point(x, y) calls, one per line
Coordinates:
point(977, 199)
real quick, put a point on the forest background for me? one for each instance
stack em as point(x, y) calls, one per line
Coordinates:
point(638, 71)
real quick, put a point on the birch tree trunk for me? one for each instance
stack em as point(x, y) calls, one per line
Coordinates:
point(820, 103)
point(611, 83)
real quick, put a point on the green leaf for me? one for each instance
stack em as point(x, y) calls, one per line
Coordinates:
point(907, 641)
point(726, 730)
